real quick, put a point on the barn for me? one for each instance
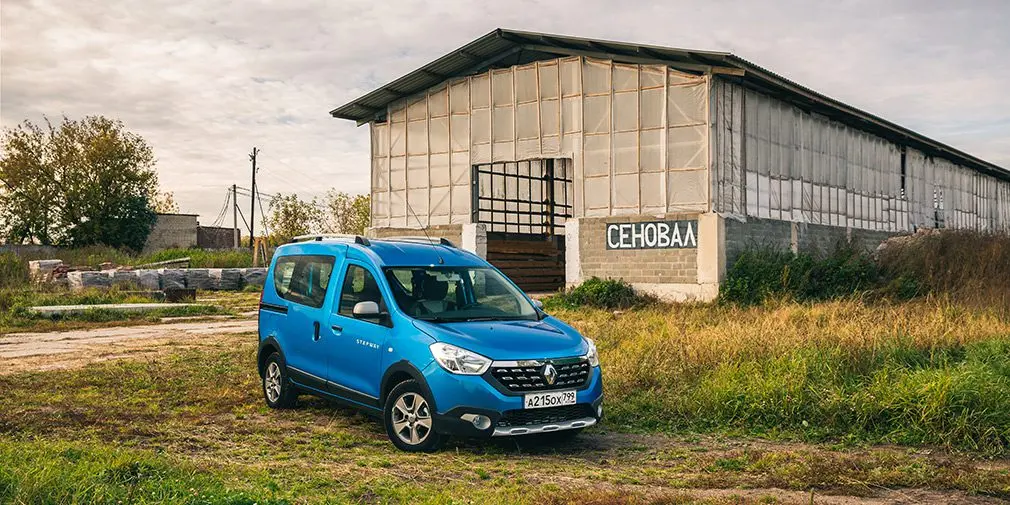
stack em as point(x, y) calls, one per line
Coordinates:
point(560, 158)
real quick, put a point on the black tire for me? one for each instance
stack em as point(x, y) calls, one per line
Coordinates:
point(283, 394)
point(402, 429)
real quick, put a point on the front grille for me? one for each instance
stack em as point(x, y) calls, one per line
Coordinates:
point(529, 417)
point(521, 379)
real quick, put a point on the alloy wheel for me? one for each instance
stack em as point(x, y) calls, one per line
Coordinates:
point(411, 418)
point(272, 382)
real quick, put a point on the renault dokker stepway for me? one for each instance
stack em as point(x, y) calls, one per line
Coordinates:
point(429, 337)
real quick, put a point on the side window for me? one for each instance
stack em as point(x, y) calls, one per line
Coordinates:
point(359, 286)
point(303, 279)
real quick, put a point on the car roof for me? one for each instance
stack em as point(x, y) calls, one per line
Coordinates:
point(387, 252)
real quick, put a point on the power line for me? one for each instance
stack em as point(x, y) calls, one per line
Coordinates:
point(299, 172)
point(260, 200)
point(224, 209)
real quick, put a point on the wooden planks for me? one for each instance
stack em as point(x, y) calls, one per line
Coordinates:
point(535, 266)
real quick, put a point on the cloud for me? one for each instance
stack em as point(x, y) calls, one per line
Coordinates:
point(204, 82)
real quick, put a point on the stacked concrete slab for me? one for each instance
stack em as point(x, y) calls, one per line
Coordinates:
point(224, 279)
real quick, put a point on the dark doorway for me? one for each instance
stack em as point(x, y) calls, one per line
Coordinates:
point(524, 205)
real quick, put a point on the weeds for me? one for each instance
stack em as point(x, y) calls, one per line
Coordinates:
point(971, 266)
point(599, 293)
point(760, 274)
point(923, 372)
point(14, 266)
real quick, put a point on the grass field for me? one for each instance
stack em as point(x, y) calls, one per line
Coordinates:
point(14, 316)
point(921, 372)
point(705, 403)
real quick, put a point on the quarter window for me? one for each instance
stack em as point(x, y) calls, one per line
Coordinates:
point(359, 286)
point(303, 279)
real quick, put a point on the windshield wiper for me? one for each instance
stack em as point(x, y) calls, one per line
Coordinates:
point(432, 319)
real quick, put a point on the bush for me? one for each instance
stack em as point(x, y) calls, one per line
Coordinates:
point(13, 270)
point(599, 293)
point(760, 274)
point(202, 258)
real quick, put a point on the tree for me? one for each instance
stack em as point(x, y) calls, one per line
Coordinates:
point(164, 203)
point(345, 213)
point(81, 182)
point(288, 216)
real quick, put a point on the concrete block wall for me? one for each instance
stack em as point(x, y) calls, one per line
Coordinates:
point(172, 231)
point(452, 232)
point(662, 266)
point(216, 237)
point(754, 233)
point(671, 274)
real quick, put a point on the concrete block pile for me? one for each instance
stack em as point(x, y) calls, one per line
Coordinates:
point(213, 279)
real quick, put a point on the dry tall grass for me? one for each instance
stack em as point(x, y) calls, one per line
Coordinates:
point(927, 371)
point(971, 266)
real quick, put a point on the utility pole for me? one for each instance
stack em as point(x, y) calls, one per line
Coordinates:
point(234, 216)
point(252, 202)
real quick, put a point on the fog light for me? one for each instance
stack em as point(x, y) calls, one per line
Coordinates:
point(599, 412)
point(479, 421)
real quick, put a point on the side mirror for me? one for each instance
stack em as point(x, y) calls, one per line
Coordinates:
point(538, 304)
point(366, 310)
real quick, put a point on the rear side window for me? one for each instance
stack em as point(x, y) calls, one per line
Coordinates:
point(303, 279)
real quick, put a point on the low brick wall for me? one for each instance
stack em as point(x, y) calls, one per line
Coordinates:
point(452, 232)
point(648, 266)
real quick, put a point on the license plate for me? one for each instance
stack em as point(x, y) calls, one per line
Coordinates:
point(552, 399)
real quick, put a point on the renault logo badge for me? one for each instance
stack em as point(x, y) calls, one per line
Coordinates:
point(550, 374)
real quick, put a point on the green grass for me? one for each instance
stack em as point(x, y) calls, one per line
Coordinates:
point(39, 472)
point(688, 387)
point(14, 315)
point(927, 372)
point(192, 428)
point(14, 267)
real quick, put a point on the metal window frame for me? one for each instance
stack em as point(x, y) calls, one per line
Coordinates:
point(552, 211)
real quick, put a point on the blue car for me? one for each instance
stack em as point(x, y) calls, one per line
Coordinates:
point(429, 337)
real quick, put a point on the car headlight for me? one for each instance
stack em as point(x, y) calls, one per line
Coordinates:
point(459, 361)
point(594, 359)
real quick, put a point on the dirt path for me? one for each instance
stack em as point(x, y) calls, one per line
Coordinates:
point(70, 349)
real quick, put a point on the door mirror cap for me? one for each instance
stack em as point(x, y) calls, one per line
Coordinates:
point(538, 304)
point(366, 310)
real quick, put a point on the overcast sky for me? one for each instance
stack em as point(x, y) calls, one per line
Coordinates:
point(205, 81)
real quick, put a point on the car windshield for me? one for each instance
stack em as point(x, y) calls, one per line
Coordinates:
point(444, 294)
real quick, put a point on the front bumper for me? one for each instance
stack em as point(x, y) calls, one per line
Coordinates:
point(456, 396)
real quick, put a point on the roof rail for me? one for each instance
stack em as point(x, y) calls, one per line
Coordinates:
point(421, 240)
point(357, 239)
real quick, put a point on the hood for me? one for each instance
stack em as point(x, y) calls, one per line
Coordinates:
point(510, 340)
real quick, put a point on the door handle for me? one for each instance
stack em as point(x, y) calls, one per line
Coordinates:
point(336, 328)
point(315, 330)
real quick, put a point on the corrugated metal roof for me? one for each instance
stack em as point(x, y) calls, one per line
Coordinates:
point(504, 48)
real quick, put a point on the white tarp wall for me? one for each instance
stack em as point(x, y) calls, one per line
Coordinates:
point(773, 160)
point(636, 135)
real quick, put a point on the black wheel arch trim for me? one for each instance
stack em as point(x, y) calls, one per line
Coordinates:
point(404, 366)
point(264, 344)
